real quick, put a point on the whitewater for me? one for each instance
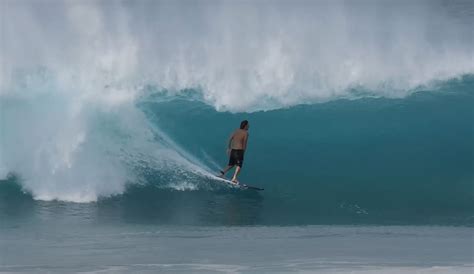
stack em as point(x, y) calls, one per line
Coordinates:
point(72, 84)
point(114, 118)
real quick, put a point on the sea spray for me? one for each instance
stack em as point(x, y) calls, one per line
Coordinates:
point(73, 125)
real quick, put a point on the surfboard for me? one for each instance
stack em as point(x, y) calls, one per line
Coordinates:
point(240, 185)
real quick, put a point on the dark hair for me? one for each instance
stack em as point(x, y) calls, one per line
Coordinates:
point(243, 124)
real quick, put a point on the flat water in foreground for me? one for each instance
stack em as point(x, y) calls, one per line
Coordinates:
point(70, 247)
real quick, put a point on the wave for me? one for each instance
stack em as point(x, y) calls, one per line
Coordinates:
point(241, 56)
point(371, 160)
point(362, 105)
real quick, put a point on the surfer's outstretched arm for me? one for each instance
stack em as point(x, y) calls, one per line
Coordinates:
point(229, 143)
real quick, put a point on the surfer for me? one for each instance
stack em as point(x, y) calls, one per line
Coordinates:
point(235, 149)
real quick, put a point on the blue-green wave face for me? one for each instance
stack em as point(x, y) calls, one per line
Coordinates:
point(370, 160)
point(373, 160)
point(359, 114)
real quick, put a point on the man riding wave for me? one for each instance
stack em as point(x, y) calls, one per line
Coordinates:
point(235, 149)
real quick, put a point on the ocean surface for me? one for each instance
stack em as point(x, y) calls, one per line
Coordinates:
point(114, 120)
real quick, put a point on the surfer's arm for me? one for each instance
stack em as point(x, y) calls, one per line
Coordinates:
point(246, 137)
point(229, 143)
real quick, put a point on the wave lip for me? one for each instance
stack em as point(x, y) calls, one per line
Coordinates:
point(260, 63)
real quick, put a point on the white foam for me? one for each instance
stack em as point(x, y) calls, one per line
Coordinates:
point(243, 56)
point(68, 83)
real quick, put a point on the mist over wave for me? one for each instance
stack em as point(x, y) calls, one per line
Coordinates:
point(241, 55)
point(74, 76)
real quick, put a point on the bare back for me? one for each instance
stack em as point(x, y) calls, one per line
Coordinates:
point(239, 139)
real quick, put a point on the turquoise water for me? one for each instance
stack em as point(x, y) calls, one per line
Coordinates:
point(114, 119)
point(385, 161)
point(367, 161)
point(338, 178)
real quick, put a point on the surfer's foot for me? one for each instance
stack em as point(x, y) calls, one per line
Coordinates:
point(234, 181)
point(221, 174)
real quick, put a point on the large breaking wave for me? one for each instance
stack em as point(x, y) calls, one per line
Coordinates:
point(102, 95)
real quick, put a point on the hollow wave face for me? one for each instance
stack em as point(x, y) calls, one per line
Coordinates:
point(74, 77)
point(78, 150)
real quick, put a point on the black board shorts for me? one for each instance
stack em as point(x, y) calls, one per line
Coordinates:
point(236, 157)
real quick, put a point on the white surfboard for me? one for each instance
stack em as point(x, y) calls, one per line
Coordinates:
point(239, 185)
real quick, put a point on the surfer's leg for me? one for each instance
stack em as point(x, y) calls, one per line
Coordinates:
point(232, 162)
point(223, 172)
point(238, 162)
point(237, 171)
